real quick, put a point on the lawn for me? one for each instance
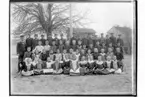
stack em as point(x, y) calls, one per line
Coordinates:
point(64, 84)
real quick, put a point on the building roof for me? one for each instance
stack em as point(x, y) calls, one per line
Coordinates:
point(84, 30)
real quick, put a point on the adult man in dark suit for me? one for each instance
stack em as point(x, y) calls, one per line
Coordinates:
point(21, 48)
point(35, 41)
point(29, 42)
point(107, 40)
point(113, 39)
point(102, 39)
point(42, 40)
point(120, 40)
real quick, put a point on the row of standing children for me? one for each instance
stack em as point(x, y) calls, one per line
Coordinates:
point(69, 59)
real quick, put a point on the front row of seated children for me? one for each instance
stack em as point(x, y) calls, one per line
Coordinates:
point(72, 63)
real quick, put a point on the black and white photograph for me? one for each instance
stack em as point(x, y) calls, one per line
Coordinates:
point(72, 48)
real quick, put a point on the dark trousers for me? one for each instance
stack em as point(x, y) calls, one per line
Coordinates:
point(20, 60)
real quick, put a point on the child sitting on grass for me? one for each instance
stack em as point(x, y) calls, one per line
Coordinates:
point(27, 68)
point(49, 65)
point(58, 62)
point(100, 67)
point(116, 66)
point(66, 63)
point(83, 66)
point(91, 64)
point(73, 63)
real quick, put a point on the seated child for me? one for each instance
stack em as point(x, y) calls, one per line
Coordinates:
point(58, 62)
point(108, 64)
point(28, 53)
point(27, 68)
point(91, 64)
point(83, 66)
point(100, 67)
point(73, 63)
point(43, 57)
point(103, 54)
point(66, 65)
point(49, 64)
point(116, 66)
point(119, 56)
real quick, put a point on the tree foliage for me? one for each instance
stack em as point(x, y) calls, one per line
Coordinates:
point(48, 17)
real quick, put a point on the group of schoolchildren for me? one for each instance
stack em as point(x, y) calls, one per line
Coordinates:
point(99, 55)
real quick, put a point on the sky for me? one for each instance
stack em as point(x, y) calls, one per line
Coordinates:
point(104, 15)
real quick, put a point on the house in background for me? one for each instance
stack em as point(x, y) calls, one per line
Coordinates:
point(82, 32)
point(126, 34)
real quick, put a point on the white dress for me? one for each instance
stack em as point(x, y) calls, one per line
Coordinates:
point(74, 61)
point(39, 48)
point(49, 69)
point(47, 47)
point(115, 67)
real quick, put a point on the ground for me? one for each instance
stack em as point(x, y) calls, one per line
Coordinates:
point(64, 84)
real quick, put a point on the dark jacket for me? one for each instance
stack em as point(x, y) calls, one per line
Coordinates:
point(29, 42)
point(21, 48)
point(119, 56)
